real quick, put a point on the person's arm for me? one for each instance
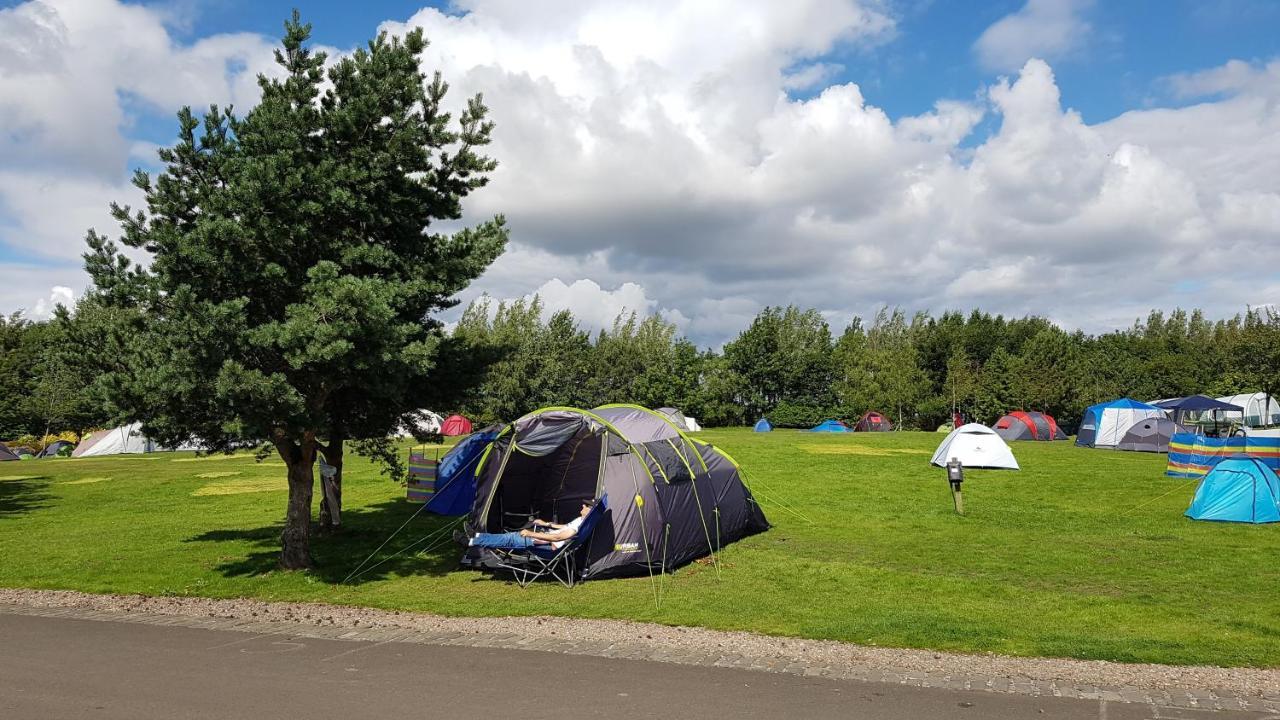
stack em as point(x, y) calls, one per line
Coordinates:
point(548, 523)
point(556, 536)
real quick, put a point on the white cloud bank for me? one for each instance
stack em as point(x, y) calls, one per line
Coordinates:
point(651, 155)
point(1048, 29)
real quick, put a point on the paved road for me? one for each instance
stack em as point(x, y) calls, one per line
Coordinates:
point(54, 668)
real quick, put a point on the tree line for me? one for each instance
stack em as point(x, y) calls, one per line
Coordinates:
point(788, 365)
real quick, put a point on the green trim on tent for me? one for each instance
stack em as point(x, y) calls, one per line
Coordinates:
point(655, 413)
point(484, 458)
point(488, 502)
point(580, 411)
point(683, 459)
point(720, 452)
point(683, 435)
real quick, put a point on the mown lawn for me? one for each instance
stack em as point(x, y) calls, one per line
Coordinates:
point(1084, 553)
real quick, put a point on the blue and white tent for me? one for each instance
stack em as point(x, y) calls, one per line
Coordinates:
point(1104, 425)
point(1238, 489)
point(763, 425)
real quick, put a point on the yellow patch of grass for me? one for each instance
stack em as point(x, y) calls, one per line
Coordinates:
point(240, 486)
point(86, 481)
point(210, 475)
point(867, 450)
point(19, 477)
point(209, 458)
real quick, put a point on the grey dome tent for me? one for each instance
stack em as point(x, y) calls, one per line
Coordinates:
point(873, 421)
point(56, 447)
point(7, 454)
point(1150, 435)
point(672, 499)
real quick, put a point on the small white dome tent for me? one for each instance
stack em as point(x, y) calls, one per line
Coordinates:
point(975, 446)
point(419, 422)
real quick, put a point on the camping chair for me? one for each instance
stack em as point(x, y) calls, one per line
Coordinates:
point(527, 564)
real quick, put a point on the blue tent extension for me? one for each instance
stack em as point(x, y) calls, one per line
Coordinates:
point(456, 474)
point(1105, 424)
point(763, 425)
point(1238, 489)
point(829, 425)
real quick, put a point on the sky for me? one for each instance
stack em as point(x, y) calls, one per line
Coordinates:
point(1083, 161)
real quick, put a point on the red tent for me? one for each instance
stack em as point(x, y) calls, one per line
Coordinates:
point(1021, 425)
point(873, 422)
point(456, 425)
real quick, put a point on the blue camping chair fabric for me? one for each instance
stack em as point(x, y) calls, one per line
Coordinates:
point(528, 564)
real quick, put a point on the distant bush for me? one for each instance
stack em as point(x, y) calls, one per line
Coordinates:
point(797, 415)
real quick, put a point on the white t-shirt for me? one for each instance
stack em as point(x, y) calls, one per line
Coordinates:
point(577, 523)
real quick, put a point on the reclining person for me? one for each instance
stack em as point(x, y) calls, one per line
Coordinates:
point(556, 536)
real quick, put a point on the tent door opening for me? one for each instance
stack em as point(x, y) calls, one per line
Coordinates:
point(551, 487)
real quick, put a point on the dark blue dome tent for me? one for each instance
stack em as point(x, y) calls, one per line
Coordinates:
point(763, 425)
point(830, 426)
point(671, 499)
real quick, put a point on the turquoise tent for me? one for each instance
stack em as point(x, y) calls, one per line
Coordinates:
point(1238, 489)
point(831, 426)
point(763, 425)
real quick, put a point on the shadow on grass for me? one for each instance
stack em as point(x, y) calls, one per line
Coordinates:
point(430, 549)
point(19, 497)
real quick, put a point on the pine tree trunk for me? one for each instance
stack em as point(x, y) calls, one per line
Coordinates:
point(295, 541)
point(331, 516)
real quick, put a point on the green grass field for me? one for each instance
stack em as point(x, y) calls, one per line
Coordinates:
point(1084, 553)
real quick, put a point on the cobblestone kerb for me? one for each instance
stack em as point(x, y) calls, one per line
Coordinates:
point(1159, 685)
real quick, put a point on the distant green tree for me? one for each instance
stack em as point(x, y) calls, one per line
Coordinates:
point(784, 356)
point(292, 271)
point(1258, 354)
point(961, 387)
point(1043, 372)
point(16, 363)
point(854, 390)
point(720, 393)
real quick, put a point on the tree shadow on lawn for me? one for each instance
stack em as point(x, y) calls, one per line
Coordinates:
point(363, 530)
point(23, 495)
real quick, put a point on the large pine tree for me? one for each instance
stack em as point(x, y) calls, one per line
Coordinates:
point(293, 268)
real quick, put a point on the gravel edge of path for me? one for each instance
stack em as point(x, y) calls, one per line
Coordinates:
point(692, 645)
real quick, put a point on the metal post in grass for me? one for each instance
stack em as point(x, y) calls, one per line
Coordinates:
point(955, 476)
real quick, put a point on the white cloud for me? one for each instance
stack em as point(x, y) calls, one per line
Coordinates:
point(1233, 77)
point(74, 74)
point(593, 306)
point(653, 157)
point(1049, 29)
point(58, 295)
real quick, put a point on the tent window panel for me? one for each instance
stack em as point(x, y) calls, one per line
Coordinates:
point(674, 467)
